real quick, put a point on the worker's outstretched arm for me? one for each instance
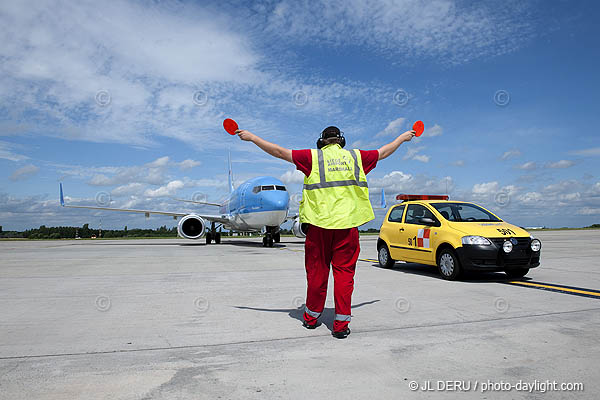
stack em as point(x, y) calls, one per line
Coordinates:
point(387, 149)
point(273, 149)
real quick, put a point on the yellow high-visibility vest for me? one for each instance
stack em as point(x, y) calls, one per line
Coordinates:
point(336, 194)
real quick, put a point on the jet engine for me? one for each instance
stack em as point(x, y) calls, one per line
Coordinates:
point(299, 229)
point(191, 227)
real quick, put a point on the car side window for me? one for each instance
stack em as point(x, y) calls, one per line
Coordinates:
point(447, 212)
point(396, 214)
point(415, 212)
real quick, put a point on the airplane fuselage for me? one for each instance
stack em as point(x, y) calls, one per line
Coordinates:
point(255, 204)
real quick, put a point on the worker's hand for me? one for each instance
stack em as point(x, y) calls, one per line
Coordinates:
point(245, 135)
point(408, 135)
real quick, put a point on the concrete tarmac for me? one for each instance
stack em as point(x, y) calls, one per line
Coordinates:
point(176, 319)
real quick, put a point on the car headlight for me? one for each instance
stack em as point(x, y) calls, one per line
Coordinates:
point(536, 245)
point(507, 246)
point(476, 240)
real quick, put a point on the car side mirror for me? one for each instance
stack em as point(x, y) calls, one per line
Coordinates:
point(429, 222)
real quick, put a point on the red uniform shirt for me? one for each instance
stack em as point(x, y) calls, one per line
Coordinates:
point(303, 160)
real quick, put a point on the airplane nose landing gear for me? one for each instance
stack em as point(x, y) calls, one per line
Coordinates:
point(272, 235)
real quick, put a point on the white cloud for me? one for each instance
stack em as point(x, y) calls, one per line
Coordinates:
point(168, 190)
point(444, 30)
point(412, 151)
point(589, 211)
point(458, 163)
point(146, 71)
point(393, 128)
point(592, 151)
point(24, 172)
point(188, 164)
point(159, 162)
point(421, 157)
point(570, 197)
point(293, 176)
point(154, 172)
point(7, 153)
point(527, 166)
point(130, 189)
point(206, 182)
point(135, 174)
point(511, 154)
point(560, 164)
point(531, 198)
point(435, 130)
point(486, 188)
point(124, 54)
point(401, 182)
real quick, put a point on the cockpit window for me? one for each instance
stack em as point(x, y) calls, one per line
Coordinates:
point(257, 189)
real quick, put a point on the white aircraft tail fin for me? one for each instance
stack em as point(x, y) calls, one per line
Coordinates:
point(230, 173)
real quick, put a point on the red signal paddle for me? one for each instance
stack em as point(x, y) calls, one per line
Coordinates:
point(230, 126)
point(418, 127)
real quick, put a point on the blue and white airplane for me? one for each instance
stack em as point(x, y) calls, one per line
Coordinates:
point(258, 205)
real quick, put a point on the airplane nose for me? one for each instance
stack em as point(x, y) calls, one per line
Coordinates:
point(277, 202)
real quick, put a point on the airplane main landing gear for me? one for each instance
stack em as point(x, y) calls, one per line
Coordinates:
point(213, 235)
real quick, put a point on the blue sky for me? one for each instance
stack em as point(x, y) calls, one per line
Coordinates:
point(123, 102)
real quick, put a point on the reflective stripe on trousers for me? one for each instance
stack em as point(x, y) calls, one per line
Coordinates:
point(312, 313)
point(342, 317)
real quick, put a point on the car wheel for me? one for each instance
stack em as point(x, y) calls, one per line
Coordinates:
point(517, 273)
point(448, 265)
point(384, 257)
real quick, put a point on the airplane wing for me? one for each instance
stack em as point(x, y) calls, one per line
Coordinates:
point(213, 218)
point(198, 202)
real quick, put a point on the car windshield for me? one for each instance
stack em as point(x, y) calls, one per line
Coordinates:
point(464, 212)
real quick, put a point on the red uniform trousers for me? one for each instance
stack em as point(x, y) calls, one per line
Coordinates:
point(340, 248)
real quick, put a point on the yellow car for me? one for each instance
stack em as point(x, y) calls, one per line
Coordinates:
point(455, 236)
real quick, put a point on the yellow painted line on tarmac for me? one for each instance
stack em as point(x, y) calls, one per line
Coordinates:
point(579, 291)
point(367, 260)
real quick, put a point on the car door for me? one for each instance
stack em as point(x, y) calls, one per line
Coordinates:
point(417, 235)
point(395, 232)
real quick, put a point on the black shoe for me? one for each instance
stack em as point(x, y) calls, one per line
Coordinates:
point(309, 326)
point(341, 334)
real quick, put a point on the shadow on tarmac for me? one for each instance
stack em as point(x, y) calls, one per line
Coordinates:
point(326, 317)
point(467, 276)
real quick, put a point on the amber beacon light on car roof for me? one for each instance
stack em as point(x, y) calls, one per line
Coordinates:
point(408, 197)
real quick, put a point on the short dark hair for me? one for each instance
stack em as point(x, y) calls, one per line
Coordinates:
point(332, 140)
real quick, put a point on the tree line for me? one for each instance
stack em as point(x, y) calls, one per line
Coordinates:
point(85, 232)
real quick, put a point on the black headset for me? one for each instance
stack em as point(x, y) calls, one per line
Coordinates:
point(329, 132)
